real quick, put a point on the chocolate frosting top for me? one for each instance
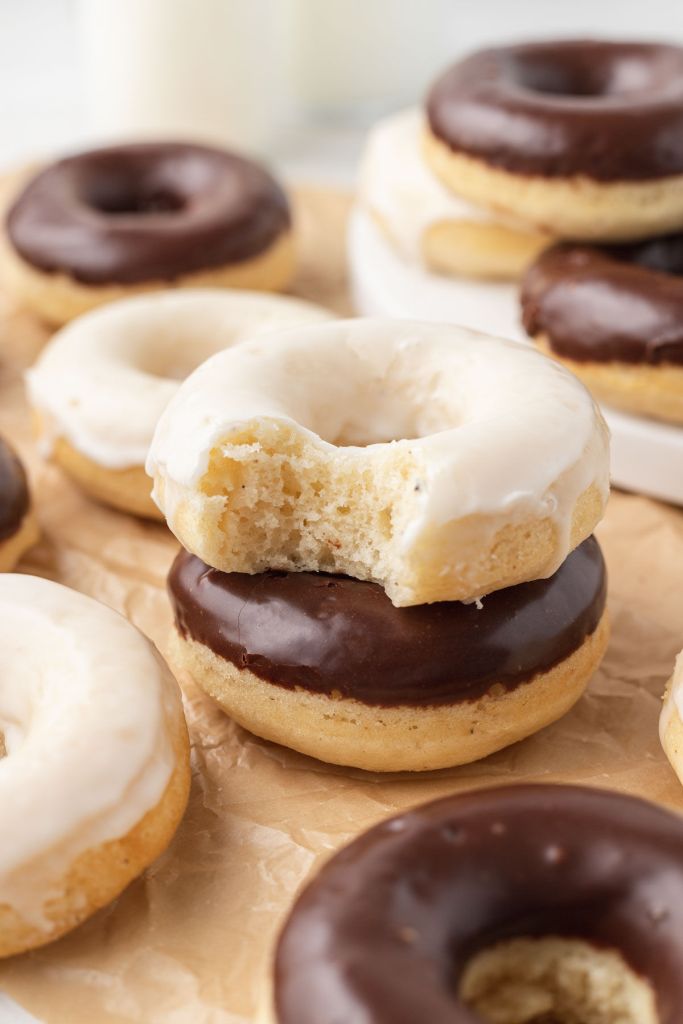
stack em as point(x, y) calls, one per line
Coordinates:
point(608, 111)
point(146, 212)
point(340, 636)
point(14, 496)
point(387, 927)
point(619, 303)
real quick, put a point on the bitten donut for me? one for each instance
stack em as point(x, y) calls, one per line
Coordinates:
point(614, 316)
point(328, 666)
point(510, 905)
point(18, 527)
point(440, 463)
point(95, 773)
point(107, 223)
point(671, 719)
point(580, 139)
point(428, 224)
point(102, 382)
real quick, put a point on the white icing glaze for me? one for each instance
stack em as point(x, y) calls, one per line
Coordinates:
point(396, 184)
point(87, 709)
point(497, 428)
point(103, 381)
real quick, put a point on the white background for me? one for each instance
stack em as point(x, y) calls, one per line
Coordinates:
point(43, 90)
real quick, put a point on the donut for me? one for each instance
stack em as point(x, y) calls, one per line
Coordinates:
point(95, 775)
point(18, 527)
point(328, 666)
point(507, 905)
point(614, 316)
point(111, 222)
point(671, 719)
point(425, 222)
point(100, 385)
point(440, 463)
point(581, 139)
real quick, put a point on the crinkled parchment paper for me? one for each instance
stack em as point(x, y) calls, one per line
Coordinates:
point(189, 942)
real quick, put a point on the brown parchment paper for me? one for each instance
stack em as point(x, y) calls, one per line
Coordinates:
point(190, 941)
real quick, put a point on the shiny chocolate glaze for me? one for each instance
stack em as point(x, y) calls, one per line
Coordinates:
point(386, 929)
point(146, 212)
point(337, 635)
point(14, 496)
point(618, 303)
point(608, 111)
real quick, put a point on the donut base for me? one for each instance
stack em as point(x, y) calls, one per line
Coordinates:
point(99, 875)
point(57, 298)
point(574, 208)
point(14, 546)
point(127, 490)
point(525, 980)
point(476, 249)
point(398, 738)
point(654, 391)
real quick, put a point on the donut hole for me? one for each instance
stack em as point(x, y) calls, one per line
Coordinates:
point(115, 196)
point(551, 980)
point(554, 76)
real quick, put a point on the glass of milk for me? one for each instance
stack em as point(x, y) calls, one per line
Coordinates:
point(207, 70)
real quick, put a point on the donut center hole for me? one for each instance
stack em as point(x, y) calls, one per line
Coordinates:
point(559, 78)
point(119, 199)
point(555, 981)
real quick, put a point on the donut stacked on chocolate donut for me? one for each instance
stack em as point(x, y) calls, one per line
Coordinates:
point(112, 222)
point(388, 560)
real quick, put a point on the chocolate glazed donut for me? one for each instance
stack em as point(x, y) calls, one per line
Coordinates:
point(14, 496)
point(610, 304)
point(607, 111)
point(138, 213)
point(385, 932)
point(343, 637)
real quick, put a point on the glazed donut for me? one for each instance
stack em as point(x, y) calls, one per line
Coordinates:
point(671, 719)
point(18, 527)
point(328, 666)
point(95, 775)
point(614, 316)
point(580, 139)
point(437, 462)
point(425, 222)
point(510, 905)
point(111, 222)
point(102, 382)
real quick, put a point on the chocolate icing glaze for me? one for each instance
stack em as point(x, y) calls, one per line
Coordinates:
point(608, 111)
point(336, 635)
point(618, 303)
point(146, 212)
point(385, 930)
point(14, 496)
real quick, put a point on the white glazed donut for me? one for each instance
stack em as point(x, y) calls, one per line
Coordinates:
point(102, 382)
point(671, 719)
point(95, 775)
point(440, 463)
point(427, 223)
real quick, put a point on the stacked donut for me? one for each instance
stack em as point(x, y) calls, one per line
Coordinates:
point(575, 142)
point(386, 526)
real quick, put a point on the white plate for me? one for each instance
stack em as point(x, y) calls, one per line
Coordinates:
point(383, 284)
point(647, 457)
point(12, 1013)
